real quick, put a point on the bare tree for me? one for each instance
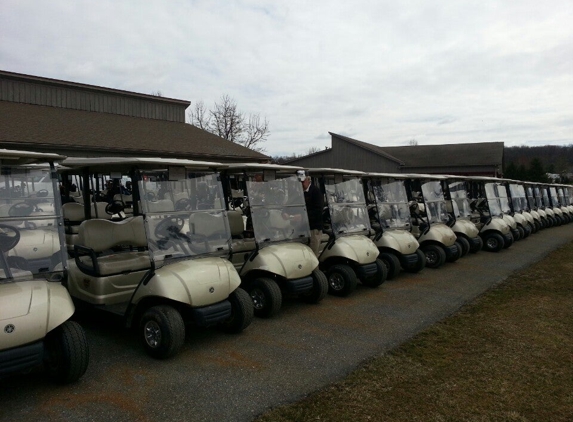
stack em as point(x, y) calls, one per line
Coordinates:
point(413, 143)
point(226, 121)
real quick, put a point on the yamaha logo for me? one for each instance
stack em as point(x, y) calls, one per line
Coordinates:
point(211, 289)
point(9, 329)
point(299, 266)
point(367, 253)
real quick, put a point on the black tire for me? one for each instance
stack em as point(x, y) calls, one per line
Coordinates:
point(457, 255)
point(508, 243)
point(380, 277)
point(478, 246)
point(435, 256)
point(521, 231)
point(538, 226)
point(418, 266)
point(493, 242)
point(162, 331)
point(242, 312)
point(392, 264)
point(465, 245)
point(67, 352)
point(266, 297)
point(342, 280)
point(319, 288)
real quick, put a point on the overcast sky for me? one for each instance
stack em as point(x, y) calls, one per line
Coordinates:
point(384, 72)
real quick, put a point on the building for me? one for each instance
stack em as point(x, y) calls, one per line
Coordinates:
point(483, 159)
point(73, 119)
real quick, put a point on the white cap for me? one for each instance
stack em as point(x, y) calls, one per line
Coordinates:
point(301, 175)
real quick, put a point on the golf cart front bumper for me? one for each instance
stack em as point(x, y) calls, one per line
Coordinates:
point(451, 251)
point(366, 271)
point(299, 285)
point(409, 261)
point(20, 358)
point(212, 314)
point(474, 241)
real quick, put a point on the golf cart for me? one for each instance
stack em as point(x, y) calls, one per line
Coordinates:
point(346, 253)
point(520, 206)
point(558, 204)
point(563, 192)
point(553, 213)
point(165, 264)
point(270, 232)
point(515, 210)
point(459, 209)
point(430, 220)
point(536, 204)
point(390, 219)
point(35, 308)
point(485, 202)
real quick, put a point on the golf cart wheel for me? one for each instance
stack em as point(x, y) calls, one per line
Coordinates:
point(242, 312)
point(419, 265)
point(477, 247)
point(67, 352)
point(493, 242)
point(458, 253)
point(266, 297)
point(465, 244)
point(537, 226)
point(380, 277)
point(392, 264)
point(319, 287)
point(163, 331)
point(521, 231)
point(342, 280)
point(435, 256)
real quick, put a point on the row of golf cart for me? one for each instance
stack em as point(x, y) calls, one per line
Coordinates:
point(213, 244)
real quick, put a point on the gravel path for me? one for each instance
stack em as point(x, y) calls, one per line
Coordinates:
point(220, 377)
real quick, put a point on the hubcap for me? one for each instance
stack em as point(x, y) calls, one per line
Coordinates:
point(258, 298)
point(336, 281)
point(491, 243)
point(152, 334)
point(431, 257)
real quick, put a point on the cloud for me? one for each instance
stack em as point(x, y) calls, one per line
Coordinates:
point(383, 72)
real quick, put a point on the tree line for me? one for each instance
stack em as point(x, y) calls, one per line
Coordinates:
point(533, 163)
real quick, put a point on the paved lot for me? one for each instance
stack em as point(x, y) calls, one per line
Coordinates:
point(236, 377)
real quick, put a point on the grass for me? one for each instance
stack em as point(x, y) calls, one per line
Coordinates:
point(508, 356)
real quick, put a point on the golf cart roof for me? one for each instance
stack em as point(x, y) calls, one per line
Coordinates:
point(262, 166)
point(103, 164)
point(326, 170)
point(8, 156)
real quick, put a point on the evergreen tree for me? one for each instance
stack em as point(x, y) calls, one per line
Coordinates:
point(536, 171)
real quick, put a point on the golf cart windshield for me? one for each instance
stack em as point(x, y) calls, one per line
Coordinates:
point(184, 217)
point(531, 198)
point(392, 204)
point(278, 210)
point(435, 202)
point(493, 201)
point(503, 199)
point(347, 207)
point(554, 198)
point(460, 201)
point(30, 220)
point(545, 196)
point(518, 199)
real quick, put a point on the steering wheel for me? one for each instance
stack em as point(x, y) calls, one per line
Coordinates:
point(114, 207)
point(42, 193)
point(150, 196)
point(9, 237)
point(169, 227)
point(184, 204)
point(21, 209)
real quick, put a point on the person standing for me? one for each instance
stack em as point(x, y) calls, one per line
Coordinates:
point(314, 207)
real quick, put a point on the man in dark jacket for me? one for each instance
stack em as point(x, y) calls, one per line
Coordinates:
point(314, 206)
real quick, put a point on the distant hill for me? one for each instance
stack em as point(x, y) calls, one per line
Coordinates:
point(555, 159)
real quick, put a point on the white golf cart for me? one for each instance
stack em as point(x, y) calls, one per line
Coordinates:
point(164, 264)
point(270, 231)
point(390, 218)
point(553, 213)
point(346, 253)
point(430, 220)
point(35, 309)
point(520, 206)
point(557, 203)
point(489, 217)
point(536, 204)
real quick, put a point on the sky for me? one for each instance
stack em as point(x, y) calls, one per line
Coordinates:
point(383, 72)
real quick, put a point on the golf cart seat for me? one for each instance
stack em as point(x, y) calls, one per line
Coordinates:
point(98, 236)
point(161, 205)
point(74, 215)
point(237, 226)
point(207, 225)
